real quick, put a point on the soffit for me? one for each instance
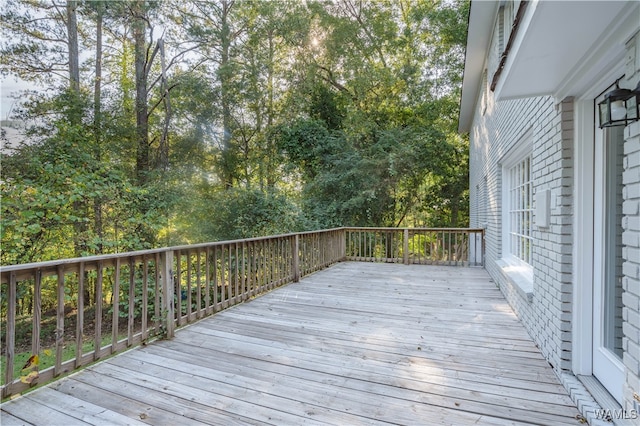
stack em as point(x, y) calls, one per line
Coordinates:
point(556, 38)
point(482, 15)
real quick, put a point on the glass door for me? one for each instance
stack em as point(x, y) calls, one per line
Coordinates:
point(607, 295)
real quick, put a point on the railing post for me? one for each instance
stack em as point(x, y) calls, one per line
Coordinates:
point(59, 322)
point(296, 257)
point(37, 312)
point(405, 251)
point(482, 244)
point(343, 244)
point(80, 316)
point(97, 337)
point(10, 333)
point(476, 248)
point(168, 308)
point(472, 250)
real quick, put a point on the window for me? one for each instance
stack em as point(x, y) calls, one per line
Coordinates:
point(505, 20)
point(520, 211)
point(517, 216)
point(501, 19)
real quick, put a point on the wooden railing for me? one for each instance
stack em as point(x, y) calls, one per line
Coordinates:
point(430, 246)
point(105, 304)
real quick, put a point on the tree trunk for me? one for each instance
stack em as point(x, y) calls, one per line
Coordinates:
point(225, 76)
point(271, 150)
point(455, 211)
point(72, 35)
point(75, 117)
point(142, 120)
point(163, 162)
point(97, 124)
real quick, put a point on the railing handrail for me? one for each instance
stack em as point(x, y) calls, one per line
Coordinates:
point(48, 264)
point(452, 246)
point(137, 253)
point(52, 265)
point(383, 228)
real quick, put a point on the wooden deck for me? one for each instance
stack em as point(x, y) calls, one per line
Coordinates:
point(358, 343)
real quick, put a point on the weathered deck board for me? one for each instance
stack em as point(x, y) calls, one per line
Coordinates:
point(359, 343)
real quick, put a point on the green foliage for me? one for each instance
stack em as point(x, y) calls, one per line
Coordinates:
point(51, 185)
point(324, 106)
point(306, 144)
point(369, 179)
point(138, 293)
point(242, 213)
point(276, 117)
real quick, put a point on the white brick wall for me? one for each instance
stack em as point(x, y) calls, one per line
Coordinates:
point(547, 317)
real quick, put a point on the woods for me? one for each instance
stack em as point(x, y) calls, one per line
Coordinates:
point(161, 123)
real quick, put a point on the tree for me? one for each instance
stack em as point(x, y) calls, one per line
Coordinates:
point(75, 127)
point(34, 46)
point(377, 82)
point(342, 113)
point(97, 121)
point(212, 27)
point(143, 62)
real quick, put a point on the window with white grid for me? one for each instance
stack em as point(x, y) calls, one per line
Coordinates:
point(520, 209)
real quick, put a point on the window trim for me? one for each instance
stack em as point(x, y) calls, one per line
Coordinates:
point(519, 211)
point(517, 271)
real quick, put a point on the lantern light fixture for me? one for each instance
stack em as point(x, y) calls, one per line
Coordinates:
point(620, 107)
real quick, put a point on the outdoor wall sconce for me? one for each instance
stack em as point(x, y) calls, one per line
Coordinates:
point(619, 107)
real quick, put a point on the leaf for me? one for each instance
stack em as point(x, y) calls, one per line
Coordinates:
point(29, 378)
point(32, 362)
point(34, 228)
point(47, 352)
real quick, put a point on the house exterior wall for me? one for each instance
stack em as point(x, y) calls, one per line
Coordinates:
point(493, 134)
point(546, 308)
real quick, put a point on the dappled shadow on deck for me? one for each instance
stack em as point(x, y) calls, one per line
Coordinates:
point(358, 343)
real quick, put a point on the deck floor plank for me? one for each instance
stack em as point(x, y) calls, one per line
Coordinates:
point(352, 359)
point(10, 420)
point(358, 343)
point(33, 413)
point(386, 378)
point(82, 410)
point(476, 375)
point(383, 334)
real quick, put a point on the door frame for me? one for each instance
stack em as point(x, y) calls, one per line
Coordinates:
point(610, 366)
point(585, 222)
point(583, 242)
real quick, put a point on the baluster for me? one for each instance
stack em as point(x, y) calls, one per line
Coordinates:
point(116, 308)
point(80, 315)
